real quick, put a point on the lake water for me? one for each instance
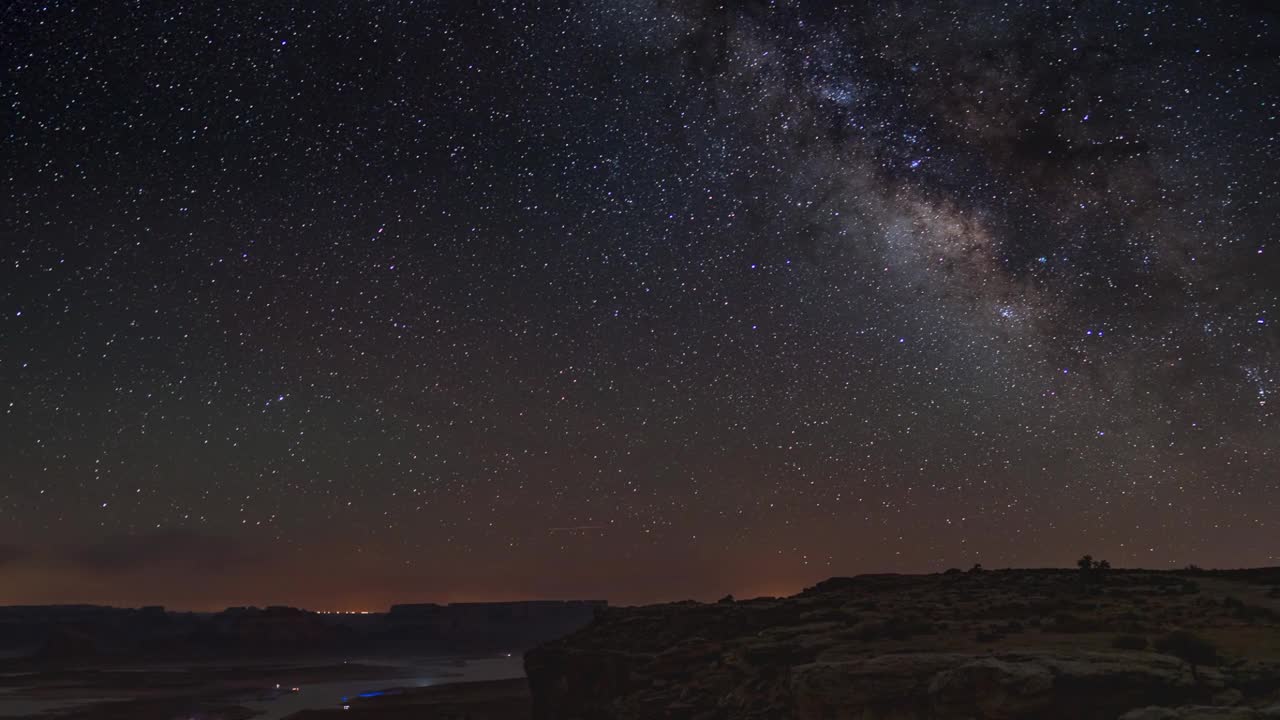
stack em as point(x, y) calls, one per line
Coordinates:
point(329, 695)
point(28, 708)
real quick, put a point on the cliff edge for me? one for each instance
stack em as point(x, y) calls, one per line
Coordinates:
point(1045, 644)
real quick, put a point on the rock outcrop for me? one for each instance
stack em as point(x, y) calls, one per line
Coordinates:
point(1203, 712)
point(974, 646)
point(1062, 684)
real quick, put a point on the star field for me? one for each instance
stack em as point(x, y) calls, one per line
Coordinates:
point(341, 305)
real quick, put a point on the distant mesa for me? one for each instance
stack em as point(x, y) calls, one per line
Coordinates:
point(67, 632)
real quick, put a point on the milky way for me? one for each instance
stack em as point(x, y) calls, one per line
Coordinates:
point(344, 306)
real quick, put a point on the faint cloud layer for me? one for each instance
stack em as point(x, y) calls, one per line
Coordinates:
point(11, 555)
point(163, 550)
point(172, 551)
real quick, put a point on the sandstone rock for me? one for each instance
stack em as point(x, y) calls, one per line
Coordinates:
point(893, 685)
point(993, 688)
point(1202, 712)
point(1012, 685)
point(1059, 684)
point(1230, 696)
point(901, 648)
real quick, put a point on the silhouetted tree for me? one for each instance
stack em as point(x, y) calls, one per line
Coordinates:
point(1091, 570)
point(1087, 563)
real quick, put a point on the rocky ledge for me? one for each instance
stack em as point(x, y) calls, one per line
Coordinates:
point(1141, 645)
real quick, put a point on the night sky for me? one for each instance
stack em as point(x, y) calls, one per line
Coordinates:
point(344, 304)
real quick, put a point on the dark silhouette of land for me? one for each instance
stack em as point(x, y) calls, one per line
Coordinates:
point(69, 633)
point(1093, 642)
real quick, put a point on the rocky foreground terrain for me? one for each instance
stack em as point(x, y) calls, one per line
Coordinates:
point(1096, 643)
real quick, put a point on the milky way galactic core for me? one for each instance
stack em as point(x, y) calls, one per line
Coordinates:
point(343, 305)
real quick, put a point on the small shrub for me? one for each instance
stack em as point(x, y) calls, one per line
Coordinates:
point(986, 636)
point(1251, 613)
point(872, 631)
point(903, 628)
point(835, 615)
point(1129, 642)
point(1189, 647)
point(1068, 623)
point(1132, 627)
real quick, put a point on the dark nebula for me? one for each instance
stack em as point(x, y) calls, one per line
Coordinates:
point(343, 304)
